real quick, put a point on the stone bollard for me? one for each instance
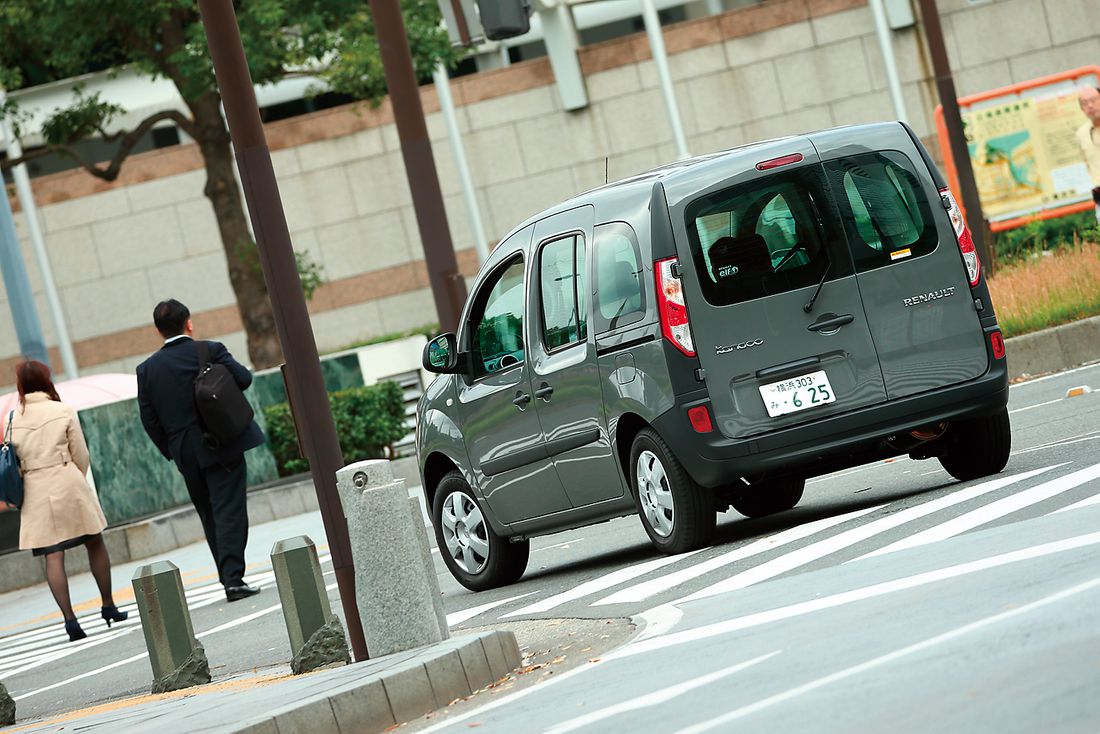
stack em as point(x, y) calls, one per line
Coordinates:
point(178, 659)
point(7, 707)
point(395, 582)
point(316, 635)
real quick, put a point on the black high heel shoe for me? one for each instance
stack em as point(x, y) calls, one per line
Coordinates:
point(74, 630)
point(111, 614)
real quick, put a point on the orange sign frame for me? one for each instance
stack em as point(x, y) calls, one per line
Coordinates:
point(1012, 90)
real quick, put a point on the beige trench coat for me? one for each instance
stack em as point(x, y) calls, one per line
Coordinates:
point(58, 504)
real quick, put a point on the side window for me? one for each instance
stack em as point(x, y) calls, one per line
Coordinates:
point(889, 217)
point(620, 290)
point(561, 290)
point(496, 326)
point(775, 234)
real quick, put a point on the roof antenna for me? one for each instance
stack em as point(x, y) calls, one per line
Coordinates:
point(605, 160)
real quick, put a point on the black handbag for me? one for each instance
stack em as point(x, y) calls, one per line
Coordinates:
point(11, 479)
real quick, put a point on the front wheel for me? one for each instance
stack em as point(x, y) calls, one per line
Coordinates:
point(478, 558)
point(978, 447)
point(675, 512)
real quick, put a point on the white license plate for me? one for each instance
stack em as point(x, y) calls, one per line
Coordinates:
point(797, 393)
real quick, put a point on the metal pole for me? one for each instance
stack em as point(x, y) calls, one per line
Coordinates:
point(305, 385)
point(952, 119)
point(38, 244)
point(660, 59)
point(28, 329)
point(469, 193)
point(889, 62)
point(448, 286)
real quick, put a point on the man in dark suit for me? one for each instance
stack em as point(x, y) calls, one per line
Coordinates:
point(215, 476)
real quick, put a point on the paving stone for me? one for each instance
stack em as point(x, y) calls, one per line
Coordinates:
point(362, 708)
point(409, 692)
point(447, 676)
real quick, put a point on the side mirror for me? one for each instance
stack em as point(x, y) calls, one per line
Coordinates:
point(441, 355)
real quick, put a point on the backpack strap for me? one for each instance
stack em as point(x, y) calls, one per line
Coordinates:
point(204, 354)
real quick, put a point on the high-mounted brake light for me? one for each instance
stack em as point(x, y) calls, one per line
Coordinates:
point(670, 300)
point(962, 236)
point(780, 161)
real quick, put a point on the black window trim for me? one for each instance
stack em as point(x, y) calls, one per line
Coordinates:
point(573, 233)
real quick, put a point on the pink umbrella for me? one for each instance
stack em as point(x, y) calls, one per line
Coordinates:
point(83, 392)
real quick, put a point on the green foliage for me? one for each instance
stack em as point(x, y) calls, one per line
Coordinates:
point(1045, 234)
point(368, 421)
point(310, 272)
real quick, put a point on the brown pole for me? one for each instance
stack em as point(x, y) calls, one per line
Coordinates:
point(448, 287)
point(305, 385)
point(945, 85)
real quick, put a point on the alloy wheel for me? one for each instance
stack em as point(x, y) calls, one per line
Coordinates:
point(465, 533)
point(655, 495)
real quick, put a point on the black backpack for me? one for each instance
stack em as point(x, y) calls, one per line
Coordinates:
point(224, 411)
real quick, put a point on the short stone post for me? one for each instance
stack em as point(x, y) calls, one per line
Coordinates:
point(7, 707)
point(395, 582)
point(316, 635)
point(178, 659)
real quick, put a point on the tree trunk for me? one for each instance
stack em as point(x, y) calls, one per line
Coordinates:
point(241, 254)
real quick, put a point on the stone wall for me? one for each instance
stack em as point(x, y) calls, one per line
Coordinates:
point(752, 73)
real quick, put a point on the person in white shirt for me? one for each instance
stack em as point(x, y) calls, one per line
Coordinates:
point(1088, 139)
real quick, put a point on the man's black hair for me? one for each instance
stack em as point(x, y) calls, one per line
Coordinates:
point(170, 317)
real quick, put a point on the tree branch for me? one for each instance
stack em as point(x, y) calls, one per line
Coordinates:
point(128, 140)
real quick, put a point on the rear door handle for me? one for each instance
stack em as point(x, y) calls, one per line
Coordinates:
point(521, 400)
point(831, 322)
point(544, 392)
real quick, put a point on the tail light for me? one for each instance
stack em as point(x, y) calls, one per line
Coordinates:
point(670, 299)
point(997, 341)
point(962, 235)
point(700, 419)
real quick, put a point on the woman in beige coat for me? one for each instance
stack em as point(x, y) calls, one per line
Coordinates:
point(60, 511)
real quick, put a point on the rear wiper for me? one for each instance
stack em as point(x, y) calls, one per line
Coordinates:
point(808, 306)
point(799, 247)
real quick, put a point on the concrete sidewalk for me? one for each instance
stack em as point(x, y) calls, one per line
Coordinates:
point(362, 698)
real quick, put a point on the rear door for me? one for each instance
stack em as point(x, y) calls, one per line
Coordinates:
point(753, 250)
point(911, 276)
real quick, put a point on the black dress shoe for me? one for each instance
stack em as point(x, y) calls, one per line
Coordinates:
point(242, 591)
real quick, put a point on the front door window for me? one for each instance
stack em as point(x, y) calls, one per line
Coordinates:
point(497, 324)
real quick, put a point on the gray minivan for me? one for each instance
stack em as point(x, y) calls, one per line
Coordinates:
point(707, 335)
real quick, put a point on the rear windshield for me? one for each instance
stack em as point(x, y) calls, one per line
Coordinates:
point(883, 204)
point(773, 235)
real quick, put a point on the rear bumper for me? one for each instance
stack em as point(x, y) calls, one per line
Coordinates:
point(828, 444)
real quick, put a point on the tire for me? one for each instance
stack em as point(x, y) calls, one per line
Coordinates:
point(478, 558)
point(978, 447)
point(768, 498)
point(677, 514)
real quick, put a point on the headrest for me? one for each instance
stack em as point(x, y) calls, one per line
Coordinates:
point(732, 257)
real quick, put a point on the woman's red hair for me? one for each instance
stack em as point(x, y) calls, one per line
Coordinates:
point(34, 376)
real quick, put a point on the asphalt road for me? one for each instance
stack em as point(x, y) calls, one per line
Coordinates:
point(609, 571)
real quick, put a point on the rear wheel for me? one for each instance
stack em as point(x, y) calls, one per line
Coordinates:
point(478, 558)
point(768, 498)
point(978, 447)
point(675, 512)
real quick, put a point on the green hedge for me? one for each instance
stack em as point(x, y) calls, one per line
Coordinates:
point(368, 421)
point(1045, 234)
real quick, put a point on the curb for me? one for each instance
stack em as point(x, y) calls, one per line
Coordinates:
point(396, 689)
point(164, 533)
point(1055, 349)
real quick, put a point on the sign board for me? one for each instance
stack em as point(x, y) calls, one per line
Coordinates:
point(1023, 148)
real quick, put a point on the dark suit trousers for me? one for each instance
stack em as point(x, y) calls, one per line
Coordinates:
point(218, 493)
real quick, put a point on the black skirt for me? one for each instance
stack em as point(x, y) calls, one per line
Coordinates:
point(62, 546)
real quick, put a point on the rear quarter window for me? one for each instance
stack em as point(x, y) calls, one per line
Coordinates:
point(887, 216)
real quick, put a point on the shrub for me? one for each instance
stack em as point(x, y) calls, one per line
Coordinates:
point(1060, 287)
point(1044, 234)
point(368, 421)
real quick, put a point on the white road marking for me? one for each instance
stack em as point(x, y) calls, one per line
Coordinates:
point(840, 541)
point(848, 597)
point(598, 584)
point(1088, 501)
point(1044, 378)
point(1090, 436)
point(724, 719)
point(993, 511)
point(461, 616)
point(1037, 405)
point(646, 589)
point(654, 698)
point(557, 545)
